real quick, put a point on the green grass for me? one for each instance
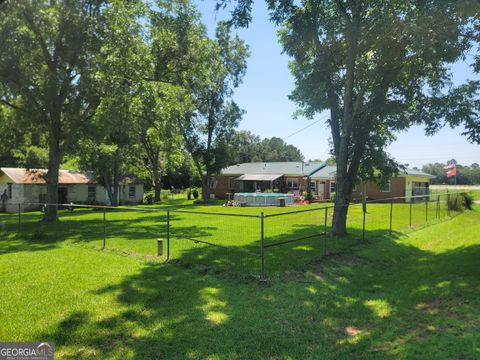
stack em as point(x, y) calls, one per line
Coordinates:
point(135, 232)
point(412, 296)
point(473, 193)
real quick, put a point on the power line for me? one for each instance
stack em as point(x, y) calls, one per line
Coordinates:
point(304, 128)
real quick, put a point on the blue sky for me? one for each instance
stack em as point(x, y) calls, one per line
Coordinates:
point(268, 82)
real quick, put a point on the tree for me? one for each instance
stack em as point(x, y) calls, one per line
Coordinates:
point(123, 65)
point(158, 106)
point(247, 147)
point(275, 149)
point(46, 47)
point(208, 131)
point(377, 67)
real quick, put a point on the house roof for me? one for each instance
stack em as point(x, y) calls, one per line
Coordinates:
point(296, 168)
point(65, 177)
point(413, 172)
point(259, 177)
point(293, 168)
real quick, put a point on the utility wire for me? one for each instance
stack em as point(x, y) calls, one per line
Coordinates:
point(304, 128)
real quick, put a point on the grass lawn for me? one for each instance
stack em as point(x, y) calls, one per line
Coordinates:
point(135, 232)
point(412, 296)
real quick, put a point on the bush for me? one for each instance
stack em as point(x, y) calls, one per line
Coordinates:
point(332, 196)
point(148, 199)
point(459, 202)
point(189, 194)
point(195, 194)
point(468, 201)
point(308, 195)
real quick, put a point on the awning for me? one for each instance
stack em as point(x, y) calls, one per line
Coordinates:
point(259, 177)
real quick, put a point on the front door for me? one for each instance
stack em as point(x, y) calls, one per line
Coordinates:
point(321, 190)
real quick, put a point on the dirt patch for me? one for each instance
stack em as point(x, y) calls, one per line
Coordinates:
point(352, 330)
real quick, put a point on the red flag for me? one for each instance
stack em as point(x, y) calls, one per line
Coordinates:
point(452, 172)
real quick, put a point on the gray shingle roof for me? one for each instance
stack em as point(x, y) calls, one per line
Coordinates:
point(296, 168)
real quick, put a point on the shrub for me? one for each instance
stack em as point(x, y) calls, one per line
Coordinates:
point(195, 194)
point(459, 202)
point(332, 196)
point(467, 201)
point(189, 194)
point(308, 195)
point(148, 199)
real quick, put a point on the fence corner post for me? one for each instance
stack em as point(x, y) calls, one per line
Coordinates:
point(262, 250)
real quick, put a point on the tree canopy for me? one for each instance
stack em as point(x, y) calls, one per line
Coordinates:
point(378, 67)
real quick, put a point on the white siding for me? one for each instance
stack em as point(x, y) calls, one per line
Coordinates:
point(125, 197)
point(17, 194)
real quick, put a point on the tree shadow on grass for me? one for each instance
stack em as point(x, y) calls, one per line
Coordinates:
point(406, 303)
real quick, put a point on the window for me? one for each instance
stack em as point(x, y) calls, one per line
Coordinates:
point(213, 183)
point(292, 183)
point(313, 186)
point(131, 191)
point(92, 192)
point(385, 187)
point(332, 187)
point(9, 190)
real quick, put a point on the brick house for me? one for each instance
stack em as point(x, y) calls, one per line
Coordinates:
point(406, 184)
point(281, 176)
point(294, 177)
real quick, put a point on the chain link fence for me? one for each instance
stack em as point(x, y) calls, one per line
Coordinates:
point(226, 239)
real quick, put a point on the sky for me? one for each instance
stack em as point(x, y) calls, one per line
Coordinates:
point(268, 82)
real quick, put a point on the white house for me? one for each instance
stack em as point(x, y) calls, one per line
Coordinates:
point(28, 188)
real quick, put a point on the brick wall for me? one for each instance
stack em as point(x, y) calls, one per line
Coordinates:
point(397, 189)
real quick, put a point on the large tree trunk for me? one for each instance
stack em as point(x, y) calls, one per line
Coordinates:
point(342, 200)
point(108, 187)
point(157, 181)
point(54, 158)
point(205, 186)
point(351, 104)
point(158, 190)
point(116, 179)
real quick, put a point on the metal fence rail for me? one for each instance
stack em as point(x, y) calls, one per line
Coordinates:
point(227, 241)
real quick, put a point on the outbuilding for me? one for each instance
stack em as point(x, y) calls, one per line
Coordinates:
point(27, 188)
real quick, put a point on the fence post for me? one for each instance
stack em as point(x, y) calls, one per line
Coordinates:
point(411, 212)
point(391, 215)
point(325, 232)
point(262, 251)
point(448, 204)
point(426, 209)
point(168, 235)
point(364, 210)
point(19, 218)
point(438, 207)
point(104, 228)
